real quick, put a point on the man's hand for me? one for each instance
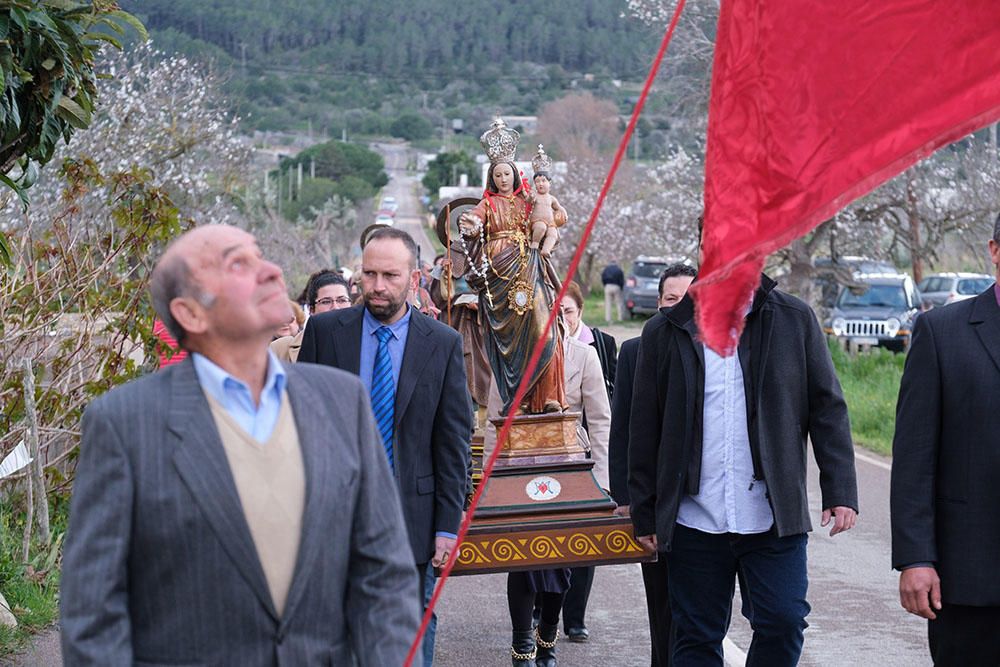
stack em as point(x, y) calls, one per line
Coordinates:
point(920, 591)
point(443, 546)
point(648, 542)
point(843, 519)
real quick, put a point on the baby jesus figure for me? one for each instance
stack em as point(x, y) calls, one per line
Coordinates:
point(546, 212)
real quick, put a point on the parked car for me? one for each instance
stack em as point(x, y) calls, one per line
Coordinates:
point(944, 288)
point(389, 203)
point(383, 219)
point(830, 274)
point(642, 284)
point(879, 313)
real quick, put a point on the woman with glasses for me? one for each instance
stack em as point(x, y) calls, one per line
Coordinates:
point(326, 290)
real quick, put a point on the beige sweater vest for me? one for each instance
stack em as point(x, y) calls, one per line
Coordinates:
point(271, 483)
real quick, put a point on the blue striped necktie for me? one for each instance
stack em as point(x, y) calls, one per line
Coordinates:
point(383, 390)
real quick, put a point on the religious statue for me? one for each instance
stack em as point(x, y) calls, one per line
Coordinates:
point(517, 286)
point(546, 213)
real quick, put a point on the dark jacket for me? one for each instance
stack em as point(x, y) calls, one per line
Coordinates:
point(433, 415)
point(946, 453)
point(613, 275)
point(609, 357)
point(792, 395)
point(621, 406)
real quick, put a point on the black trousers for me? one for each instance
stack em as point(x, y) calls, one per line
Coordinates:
point(575, 605)
point(965, 636)
point(654, 578)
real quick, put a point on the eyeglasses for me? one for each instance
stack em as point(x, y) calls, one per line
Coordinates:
point(327, 301)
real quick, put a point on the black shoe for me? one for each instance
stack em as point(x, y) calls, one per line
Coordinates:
point(522, 649)
point(578, 634)
point(546, 637)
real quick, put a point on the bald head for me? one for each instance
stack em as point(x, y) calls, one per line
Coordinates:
point(216, 268)
point(172, 278)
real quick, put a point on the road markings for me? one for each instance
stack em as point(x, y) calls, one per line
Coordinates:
point(872, 460)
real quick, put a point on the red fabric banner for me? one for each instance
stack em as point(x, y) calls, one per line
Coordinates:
point(815, 103)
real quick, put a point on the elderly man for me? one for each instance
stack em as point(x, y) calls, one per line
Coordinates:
point(229, 509)
point(945, 466)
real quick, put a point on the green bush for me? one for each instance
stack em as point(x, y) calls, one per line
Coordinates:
point(871, 385)
point(412, 127)
point(447, 168)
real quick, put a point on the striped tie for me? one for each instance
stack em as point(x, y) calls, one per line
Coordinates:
point(383, 391)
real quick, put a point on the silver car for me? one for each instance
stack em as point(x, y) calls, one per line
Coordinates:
point(940, 289)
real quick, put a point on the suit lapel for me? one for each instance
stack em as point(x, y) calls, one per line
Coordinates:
point(202, 464)
point(418, 350)
point(347, 340)
point(306, 406)
point(986, 320)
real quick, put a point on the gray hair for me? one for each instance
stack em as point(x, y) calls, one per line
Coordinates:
point(996, 229)
point(171, 279)
point(398, 234)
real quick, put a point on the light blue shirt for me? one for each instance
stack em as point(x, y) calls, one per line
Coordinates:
point(235, 398)
point(369, 346)
point(729, 499)
point(397, 345)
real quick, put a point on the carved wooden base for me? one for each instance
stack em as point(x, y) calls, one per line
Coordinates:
point(542, 507)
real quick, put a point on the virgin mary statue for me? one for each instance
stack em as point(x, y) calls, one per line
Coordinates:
point(517, 286)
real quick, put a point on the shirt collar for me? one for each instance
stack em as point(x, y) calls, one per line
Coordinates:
point(372, 324)
point(584, 334)
point(216, 380)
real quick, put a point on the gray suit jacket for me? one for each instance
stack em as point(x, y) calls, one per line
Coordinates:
point(159, 565)
point(433, 416)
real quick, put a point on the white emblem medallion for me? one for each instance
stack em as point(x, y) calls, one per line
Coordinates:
point(543, 488)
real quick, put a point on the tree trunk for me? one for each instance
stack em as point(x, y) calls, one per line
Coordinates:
point(37, 497)
point(799, 280)
point(916, 257)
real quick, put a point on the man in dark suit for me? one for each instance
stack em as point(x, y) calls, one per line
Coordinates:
point(717, 470)
point(945, 471)
point(229, 509)
point(674, 282)
point(427, 416)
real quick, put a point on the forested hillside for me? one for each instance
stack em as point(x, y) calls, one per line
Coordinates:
point(417, 37)
point(314, 60)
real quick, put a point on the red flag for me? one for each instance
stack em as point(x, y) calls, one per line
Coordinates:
point(816, 102)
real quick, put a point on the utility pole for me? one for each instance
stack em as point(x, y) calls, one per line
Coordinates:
point(312, 167)
point(291, 184)
point(300, 177)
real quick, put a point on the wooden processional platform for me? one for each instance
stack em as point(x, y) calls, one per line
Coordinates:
point(542, 507)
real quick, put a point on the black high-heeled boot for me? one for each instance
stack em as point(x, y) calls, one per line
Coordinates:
point(546, 636)
point(523, 649)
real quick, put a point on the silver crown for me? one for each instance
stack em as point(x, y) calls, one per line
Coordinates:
point(541, 163)
point(500, 142)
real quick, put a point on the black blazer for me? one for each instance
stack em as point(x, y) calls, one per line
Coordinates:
point(621, 406)
point(433, 415)
point(946, 453)
point(609, 362)
point(793, 396)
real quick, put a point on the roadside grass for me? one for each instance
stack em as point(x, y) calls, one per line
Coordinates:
point(593, 313)
point(31, 589)
point(871, 385)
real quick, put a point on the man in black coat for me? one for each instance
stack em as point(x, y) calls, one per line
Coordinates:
point(674, 282)
point(717, 470)
point(427, 415)
point(945, 471)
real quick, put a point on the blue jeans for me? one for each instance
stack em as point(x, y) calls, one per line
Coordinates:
point(427, 647)
point(701, 574)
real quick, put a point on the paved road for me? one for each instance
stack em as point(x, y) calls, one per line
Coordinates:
point(406, 188)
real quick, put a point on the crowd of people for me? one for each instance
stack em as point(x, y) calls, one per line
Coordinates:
point(284, 491)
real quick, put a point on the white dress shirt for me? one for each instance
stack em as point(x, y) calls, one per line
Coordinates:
point(729, 499)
